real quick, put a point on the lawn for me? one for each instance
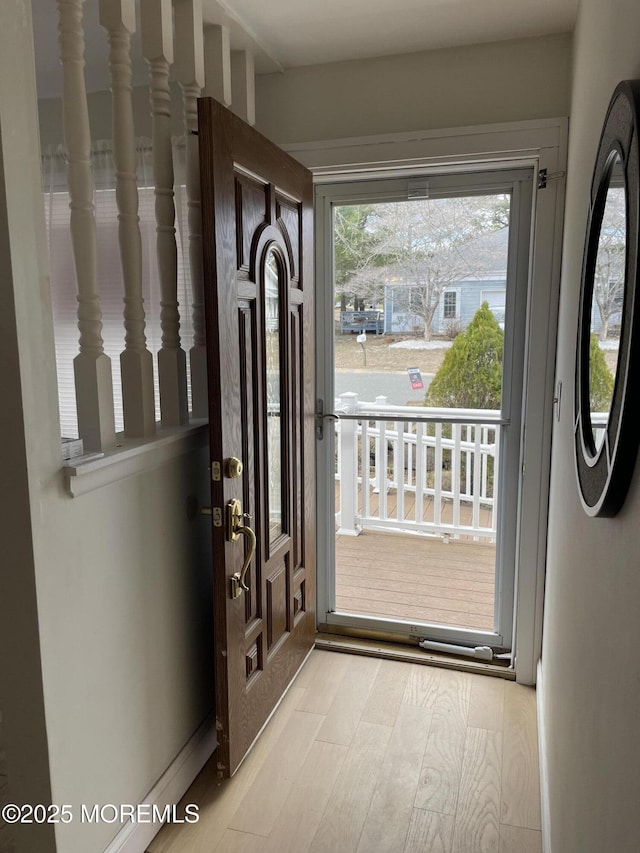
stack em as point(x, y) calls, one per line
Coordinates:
point(382, 358)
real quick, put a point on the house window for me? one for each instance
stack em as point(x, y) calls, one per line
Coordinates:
point(450, 306)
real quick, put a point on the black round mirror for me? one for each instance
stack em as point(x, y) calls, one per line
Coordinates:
point(605, 430)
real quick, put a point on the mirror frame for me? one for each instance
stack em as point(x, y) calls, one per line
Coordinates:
point(604, 472)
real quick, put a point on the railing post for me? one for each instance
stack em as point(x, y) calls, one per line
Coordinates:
point(475, 484)
point(119, 19)
point(420, 473)
point(189, 68)
point(156, 17)
point(398, 469)
point(349, 524)
point(92, 367)
point(455, 474)
point(437, 476)
point(381, 460)
point(495, 491)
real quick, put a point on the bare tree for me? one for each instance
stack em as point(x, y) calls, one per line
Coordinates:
point(433, 243)
point(608, 279)
point(424, 245)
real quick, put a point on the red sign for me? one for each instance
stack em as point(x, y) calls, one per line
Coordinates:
point(415, 378)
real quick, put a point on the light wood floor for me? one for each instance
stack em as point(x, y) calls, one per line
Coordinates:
point(417, 578)
point(376, 756)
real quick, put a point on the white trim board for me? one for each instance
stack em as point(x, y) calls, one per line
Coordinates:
point(457, 146)
point(134, 455)
point(544, 770)
point(169, 789)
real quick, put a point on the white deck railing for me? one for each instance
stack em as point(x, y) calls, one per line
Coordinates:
point(416, 469)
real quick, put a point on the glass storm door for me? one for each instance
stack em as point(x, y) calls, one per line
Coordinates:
point(257, 223)
point(421, 358)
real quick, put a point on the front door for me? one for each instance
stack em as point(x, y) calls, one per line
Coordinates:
point(257, 237)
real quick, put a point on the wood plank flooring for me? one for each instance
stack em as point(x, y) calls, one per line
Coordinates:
point(417, 578)
point(377, 756)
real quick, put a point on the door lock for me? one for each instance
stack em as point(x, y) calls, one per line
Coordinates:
point(233, 467)
point(236, 529)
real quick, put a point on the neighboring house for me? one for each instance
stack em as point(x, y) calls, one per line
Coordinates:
point(487, 257)
point(458, 303)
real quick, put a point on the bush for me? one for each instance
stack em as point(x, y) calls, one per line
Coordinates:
point(600, 378)
point(453, 328)
point(470, 376)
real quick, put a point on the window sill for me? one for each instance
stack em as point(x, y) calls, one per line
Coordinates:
point(134, 455)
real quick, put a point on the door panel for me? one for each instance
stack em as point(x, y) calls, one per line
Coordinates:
point(257, 221)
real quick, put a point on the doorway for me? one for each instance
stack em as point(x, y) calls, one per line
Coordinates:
point(423, 292)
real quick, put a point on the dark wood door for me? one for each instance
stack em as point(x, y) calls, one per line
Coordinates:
point(257, 225)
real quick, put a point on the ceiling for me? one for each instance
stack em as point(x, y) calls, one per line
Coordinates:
point(289, 33)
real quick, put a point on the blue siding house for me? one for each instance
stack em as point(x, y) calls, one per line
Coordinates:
point(459, 301)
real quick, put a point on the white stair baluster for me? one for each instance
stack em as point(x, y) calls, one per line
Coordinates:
point(118, 18)
point(92, 367)
point(189, 68)
point(217, 63)
point(243, 85)
point(157, 47)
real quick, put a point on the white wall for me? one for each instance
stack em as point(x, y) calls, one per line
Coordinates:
point(483, 84)
point(121, 577)
point(591, 652)
point(125, 599)
point(456, 87)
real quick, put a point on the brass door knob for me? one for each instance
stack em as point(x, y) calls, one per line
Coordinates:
point(233, 467)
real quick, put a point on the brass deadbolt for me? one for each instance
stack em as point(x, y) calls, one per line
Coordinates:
point(233, 467)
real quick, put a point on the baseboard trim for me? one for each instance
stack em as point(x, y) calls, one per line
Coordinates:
point(544, 770)
point(169, 789)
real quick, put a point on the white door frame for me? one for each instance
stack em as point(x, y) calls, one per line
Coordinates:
point(542, 145)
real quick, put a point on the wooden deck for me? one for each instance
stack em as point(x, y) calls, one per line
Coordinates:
point(416, 578)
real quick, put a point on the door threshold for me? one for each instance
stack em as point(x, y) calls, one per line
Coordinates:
point(408, 654)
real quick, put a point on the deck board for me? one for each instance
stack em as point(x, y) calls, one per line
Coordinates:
point(418, 578)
